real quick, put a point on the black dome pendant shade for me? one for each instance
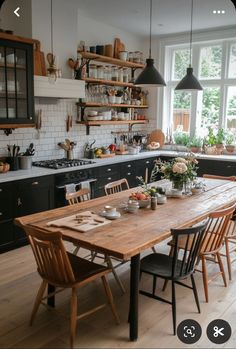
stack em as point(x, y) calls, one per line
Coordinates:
point(150, 75)
point(189, 81)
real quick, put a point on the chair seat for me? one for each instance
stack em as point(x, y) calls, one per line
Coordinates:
point(84, 269)
point(160, 265)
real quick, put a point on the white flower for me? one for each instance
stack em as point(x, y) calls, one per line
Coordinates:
point(182, 160)
point(179, 167)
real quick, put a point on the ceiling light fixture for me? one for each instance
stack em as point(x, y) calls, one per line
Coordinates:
point(189, 81)
point(234, 2)
point(150, 75)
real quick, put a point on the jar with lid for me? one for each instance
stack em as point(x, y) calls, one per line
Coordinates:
point(115, 74)
point(108, 69)
point(121, 75)
point(136, 57)
point(125, 75)
point(93, 71)
point(131, 56)
point(153, 202)
point(100, 72)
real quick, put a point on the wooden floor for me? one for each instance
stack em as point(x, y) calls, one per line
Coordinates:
point(19, 282)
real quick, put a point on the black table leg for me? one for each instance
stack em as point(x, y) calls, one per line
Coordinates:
point(51, 300)
point(134, 292)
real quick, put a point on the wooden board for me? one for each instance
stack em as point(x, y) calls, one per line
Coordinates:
point(117, 44)
point(103, 156)
point(157, 136)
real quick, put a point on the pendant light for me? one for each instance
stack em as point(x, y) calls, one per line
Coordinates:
point(150, 75)
point(189, 81)
point(234, 2)
point(52, 70)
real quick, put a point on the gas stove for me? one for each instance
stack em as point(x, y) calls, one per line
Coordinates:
point(61, 163)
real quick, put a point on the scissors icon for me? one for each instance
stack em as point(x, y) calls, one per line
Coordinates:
point(218, 331)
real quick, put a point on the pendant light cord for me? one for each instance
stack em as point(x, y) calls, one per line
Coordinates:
point(51, 29)
point(150, 33)
point(191, 35)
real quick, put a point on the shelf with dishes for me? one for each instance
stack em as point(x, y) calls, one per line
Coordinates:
point(110, 60)
point(108, 82)
point(111, 105)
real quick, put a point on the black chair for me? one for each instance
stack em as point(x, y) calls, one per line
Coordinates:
point(174, 268)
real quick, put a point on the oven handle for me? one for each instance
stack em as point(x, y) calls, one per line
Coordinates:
point(88, 180)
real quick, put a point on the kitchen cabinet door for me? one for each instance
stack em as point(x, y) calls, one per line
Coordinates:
point(216, 167)
point(144, 165)
point(104, 175)
point(34, 195)
point(128, 171)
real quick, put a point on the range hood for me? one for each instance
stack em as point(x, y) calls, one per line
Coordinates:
point(63, 88)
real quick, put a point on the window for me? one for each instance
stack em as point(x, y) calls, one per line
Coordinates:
point(231, 108)
point(214, 64)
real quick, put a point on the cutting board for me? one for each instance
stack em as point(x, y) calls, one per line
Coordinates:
point(39, 60)
point(118, 46)
point(89, 219)
point(157, 136)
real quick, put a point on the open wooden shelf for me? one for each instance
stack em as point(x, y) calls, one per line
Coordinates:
point(110, 60)
point(109, 82)
point(12, 66)
point(91, 104)
point(112, 122)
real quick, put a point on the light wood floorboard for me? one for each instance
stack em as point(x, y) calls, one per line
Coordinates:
point(19, 283)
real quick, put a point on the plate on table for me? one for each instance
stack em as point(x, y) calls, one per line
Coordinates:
point(110, 216)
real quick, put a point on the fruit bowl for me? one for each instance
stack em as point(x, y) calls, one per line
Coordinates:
point(144, 203)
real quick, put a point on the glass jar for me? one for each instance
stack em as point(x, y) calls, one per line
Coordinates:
point(125, 75)
point(131, 56)
point(93, 71)
point(115, 74)
point(121, 75)
point(100, 72)
point(108, 69)
point(136, 57)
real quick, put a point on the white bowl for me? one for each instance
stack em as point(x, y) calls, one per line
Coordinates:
point(92, 113)
point(144, 203)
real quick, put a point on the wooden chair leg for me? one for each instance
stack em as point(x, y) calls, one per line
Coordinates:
point(222, 268)
point(154, 249)
point(154, 284)
point(174, 307)
point(195, 293)
point(205, 278)
point(73, 316)
point(110, 299)
point(110, 265)
point(227, 252)
point(38, 300)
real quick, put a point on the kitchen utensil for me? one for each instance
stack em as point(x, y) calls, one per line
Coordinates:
point(71, 63)
point(50, 59)
point(67, 142)
point(63, 146)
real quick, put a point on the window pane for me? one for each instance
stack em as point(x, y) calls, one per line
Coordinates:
point(232, 62)
point(231, 108)
point(181, 62)
point(210, 107)
point(181, 111)
point(210, 62)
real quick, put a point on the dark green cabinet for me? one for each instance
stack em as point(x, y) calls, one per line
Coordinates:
point(16, 84)
point(21, 198)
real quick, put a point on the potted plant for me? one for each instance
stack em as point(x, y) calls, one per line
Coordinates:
point(111, 95)
point(119, 94)
point(210, 142)
point(181, 139)
point(220, 139)
point(229, 141)
point(195, 144)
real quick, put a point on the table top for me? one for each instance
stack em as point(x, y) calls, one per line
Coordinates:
point(135, 232)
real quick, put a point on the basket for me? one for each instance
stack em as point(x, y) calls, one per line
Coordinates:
point(4, 168)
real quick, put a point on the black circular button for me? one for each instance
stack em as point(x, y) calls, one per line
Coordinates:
point(219, 331)
point(189, 331)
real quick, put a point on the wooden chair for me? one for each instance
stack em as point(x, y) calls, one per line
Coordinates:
point(81, 196)
point(174, 268)
point(116, 187)
point(230, 238)
point(216, 231)
point(230, 178)
point(78, 196)
point(64, 270)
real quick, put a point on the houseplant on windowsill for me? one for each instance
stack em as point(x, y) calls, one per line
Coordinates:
point(180, 171)
point(181, 140)
point(230, 141)
point(195, 144)
point(220, 139)
point(210, 142)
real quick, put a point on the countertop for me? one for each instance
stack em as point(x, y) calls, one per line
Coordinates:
point(39, 171)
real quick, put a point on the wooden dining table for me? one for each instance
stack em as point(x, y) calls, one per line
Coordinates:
point(133, 233)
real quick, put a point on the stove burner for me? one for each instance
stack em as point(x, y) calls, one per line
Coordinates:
point(61, 163)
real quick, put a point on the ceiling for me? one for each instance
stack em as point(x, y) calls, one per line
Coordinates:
point(169, 16)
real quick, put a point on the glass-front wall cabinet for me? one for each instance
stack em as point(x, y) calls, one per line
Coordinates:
point(16, 83)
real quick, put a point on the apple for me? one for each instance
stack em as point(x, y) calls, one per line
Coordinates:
point(112, 147)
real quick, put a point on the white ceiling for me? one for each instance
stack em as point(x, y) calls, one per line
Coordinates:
point(169, 16)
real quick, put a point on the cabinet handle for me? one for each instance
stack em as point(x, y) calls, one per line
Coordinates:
point(19, 203)
point(0, 190)
point(109, 178)
point(35, 183)
point(228, 166)
point(109, 170)
point(1, 213)
point(147, 162)
point(129, 166)
point(128, 174)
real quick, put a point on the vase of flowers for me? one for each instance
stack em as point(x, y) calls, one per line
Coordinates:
point(180, 171)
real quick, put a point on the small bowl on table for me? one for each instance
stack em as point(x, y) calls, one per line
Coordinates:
point(144, 203)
